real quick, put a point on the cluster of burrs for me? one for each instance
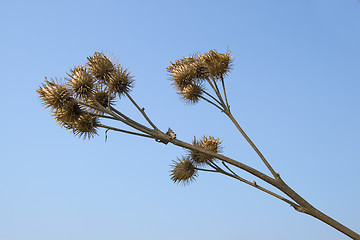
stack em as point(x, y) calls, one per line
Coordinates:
point(191, 76)
point(88, 94)
point(184, 170)
point(78, 102)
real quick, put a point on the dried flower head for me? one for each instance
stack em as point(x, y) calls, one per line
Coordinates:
point(54, 94)
point(68, 114)
point(120, 81)
point(182, 76)
point(187, 71)
point(86, 125)
point(103, 97)
point(81, 81)
point(208, 143)
point(183, 171)
point(191, 93)
point(217, 64)
point(101, 66)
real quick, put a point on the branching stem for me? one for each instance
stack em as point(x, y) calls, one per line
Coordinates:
point(223, 85)
point(228, 113)
point(205, 170)
point(124, 131)
point(129, 119)
point(103, 116)
point(142, 110)
point(216, 92)
point(131, 124)
point(212, 97)
point(212, 103)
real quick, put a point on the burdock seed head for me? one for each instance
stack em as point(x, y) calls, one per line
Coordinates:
point(81, 81)
point(187, 70)
point(103, 97)
point(85, 126)
point(183, 171)
point(101, 66)
point(218, 64)
point(67, 115)
point(208, 143)
point(182, 75)
point(54, 94)
point(191, 93)
point(120, 81)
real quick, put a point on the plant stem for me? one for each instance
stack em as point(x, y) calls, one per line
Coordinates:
point(302, 205)
point(228, 113)
point(124, 131)
point(308, 209)
point(215, 89)
point(126, 118)
point(142, 110)
point(103, 116)
point(254, 184)
point(223, 85)
point(209, 101)
point(212, 97)
point(205, 170)
point(131, 124)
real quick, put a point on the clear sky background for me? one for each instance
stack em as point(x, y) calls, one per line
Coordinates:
point(294, 88)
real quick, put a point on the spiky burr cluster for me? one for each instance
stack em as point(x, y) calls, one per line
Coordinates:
point(184, 170)
point(73, 102)
point(190, 73)
point(89, 91)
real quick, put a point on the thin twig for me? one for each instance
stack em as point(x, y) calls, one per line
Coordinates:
point(131, 124)
point(229, 168)
point(124, 131)
point(214, 166)
point(276, 175)
point(90, 106)
point(217, 88)
point(254, 184)
point(216, 92)
point(209, 101)
point(212, 97)
point(128, 118)
point(102, 116)
point(142, 110)
point(223, 85)
point(206, 170)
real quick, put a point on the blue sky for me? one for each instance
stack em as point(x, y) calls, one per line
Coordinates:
point(294, 88)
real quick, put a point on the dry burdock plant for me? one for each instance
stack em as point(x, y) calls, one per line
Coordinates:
point(88, 96)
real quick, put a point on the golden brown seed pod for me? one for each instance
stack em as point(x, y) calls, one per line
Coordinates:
point(85, 126)
point(183, 171)
point(54, 94)
point(103, 97)
point(68, 114)
point(208, 143)
point(191, 93)
point(81, 81)
point(186, 71)
point(182, 76)
point(101, 66)
point(218, 64)
point(120, 81)
point(181, 62)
